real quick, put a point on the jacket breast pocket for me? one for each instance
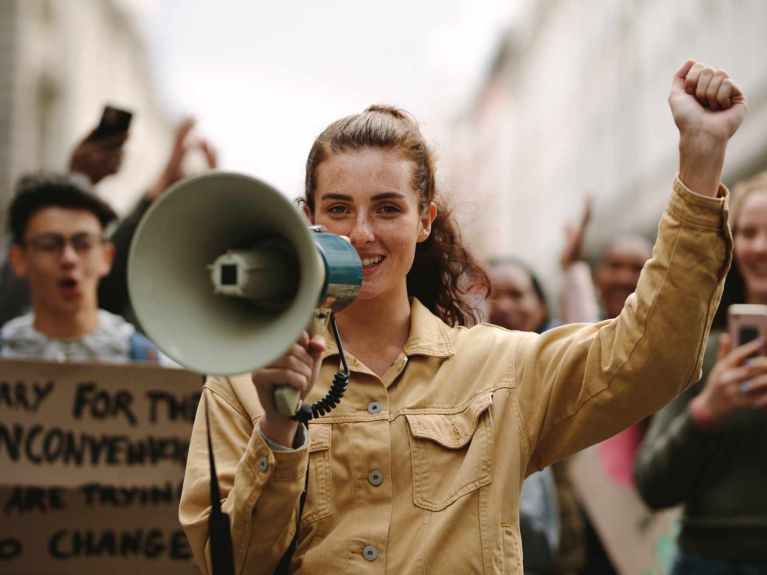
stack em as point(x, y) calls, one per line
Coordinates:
point(451, 453)
point(319, 497)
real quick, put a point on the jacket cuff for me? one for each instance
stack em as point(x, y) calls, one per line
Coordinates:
point(704, 211)
point(276, 465)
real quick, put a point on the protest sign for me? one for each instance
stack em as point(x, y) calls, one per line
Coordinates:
point(93, 459)
point(637, 540)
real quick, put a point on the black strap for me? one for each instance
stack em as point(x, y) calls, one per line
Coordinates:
point(221, 557)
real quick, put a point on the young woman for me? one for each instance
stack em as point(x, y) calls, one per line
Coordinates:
point(706, 450)
point(419, 468)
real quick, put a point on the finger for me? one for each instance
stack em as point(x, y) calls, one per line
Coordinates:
point(754, 392)
point(691, 80)
point(756, 365)
point(741, 353)
point(724, 94)
point(731, 94)
point(211, 157)
point(303, 339)
point(713, 90)
point(183, 130)
point(681, 74)
point(269, 377)
point(295, 355)
point(704, 79)
point(736, 94)
point(317, 346)
point(301, 365)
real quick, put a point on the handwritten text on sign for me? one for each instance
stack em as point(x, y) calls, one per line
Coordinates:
point(93, 457)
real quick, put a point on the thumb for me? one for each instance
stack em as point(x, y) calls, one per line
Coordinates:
point(725, 345)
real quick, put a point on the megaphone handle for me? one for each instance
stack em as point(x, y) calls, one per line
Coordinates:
point(286, 397)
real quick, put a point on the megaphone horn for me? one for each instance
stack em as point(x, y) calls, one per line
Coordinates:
point(224, 273)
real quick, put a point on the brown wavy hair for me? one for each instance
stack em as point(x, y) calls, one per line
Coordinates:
point(444, 272)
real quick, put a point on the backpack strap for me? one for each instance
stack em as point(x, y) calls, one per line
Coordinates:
point(141, 349)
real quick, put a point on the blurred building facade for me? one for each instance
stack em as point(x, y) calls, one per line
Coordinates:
point(61, 61)
point(576, 101)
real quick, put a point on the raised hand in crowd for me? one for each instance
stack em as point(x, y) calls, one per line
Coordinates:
point(574, 235)
point(173, 170)
point(97, 158)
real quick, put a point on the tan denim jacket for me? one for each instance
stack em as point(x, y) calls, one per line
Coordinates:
point(420, 471)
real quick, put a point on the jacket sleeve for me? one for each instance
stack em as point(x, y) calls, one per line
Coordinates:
point(260, 487)
point(579, 384)
point(676, 451)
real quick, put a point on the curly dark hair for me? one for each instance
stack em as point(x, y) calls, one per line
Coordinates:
point(444, 271)
point(35, 192)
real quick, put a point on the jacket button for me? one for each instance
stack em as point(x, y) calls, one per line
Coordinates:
point(263, 463)
point(370, 553)
point(374, 408)
point(375, 477)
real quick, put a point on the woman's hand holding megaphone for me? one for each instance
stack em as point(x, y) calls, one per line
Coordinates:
point(297, 368)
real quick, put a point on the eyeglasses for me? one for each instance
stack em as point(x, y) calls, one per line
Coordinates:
point(53, 244)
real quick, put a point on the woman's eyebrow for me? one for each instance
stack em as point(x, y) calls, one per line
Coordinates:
point(376, 197)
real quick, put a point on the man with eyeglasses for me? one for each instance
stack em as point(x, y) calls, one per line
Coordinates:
point(58, 244)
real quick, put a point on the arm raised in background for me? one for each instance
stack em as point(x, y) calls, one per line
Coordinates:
point(579, 297)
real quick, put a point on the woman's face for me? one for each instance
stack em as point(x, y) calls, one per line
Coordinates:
point(513, 301)
point(751, 244)
point(367, 196)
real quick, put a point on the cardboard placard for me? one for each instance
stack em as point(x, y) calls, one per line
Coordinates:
point(92, 459)
point(638, 540)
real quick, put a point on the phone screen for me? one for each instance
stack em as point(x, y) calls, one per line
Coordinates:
point(747, 333)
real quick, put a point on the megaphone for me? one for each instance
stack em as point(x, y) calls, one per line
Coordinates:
point(224, 274)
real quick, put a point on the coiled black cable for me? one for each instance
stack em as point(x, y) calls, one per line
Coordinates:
point(337, 388)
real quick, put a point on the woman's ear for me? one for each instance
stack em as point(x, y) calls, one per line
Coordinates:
point(425, 221)
point(307, 212)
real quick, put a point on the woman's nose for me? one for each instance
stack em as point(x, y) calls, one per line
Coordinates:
point(362, 232)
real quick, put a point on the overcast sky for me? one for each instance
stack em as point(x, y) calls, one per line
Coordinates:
point(265, 78)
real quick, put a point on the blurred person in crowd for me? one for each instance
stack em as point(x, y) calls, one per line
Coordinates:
point(421, 465)
point(93, 159)
point(58, 244)
point(707, 450)
point(517, 301)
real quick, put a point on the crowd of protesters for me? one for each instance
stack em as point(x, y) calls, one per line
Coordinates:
point(63, 296)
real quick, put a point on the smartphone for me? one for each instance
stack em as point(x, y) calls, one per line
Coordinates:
point(747, 322)
point(113, 121)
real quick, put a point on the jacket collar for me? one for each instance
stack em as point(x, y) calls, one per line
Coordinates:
point(429, 335)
